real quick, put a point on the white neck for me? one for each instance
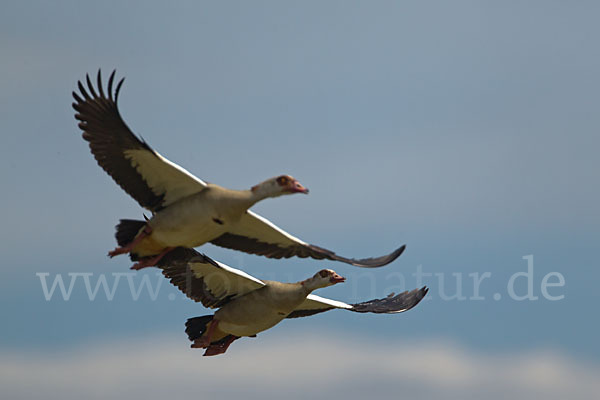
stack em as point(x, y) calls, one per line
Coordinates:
point(311, 284)
point(261, 192)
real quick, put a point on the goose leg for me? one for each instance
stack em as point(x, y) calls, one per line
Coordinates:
point(214, 349)
point(150, 261)
point(205, 340)
point(126, 249)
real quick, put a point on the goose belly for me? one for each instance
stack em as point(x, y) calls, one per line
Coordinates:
point(250, 329)
point(257, 311)
point(250, 323)
point(190, 224)
point(188, 232)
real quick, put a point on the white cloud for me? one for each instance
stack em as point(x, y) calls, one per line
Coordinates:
point(299, 366)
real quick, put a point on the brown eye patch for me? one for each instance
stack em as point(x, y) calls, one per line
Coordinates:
point(283, 180)
point(324, 273)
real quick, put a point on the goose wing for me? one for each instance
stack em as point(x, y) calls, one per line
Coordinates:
point(205, 280)
point(391, 304)
point(152, 180)
point(256, 235)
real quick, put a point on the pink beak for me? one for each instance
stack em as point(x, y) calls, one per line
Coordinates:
point(337, 278)
point(296, 187)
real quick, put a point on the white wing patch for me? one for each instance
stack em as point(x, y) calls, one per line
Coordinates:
point(164, 176)
point(225, 281)
point(257, 227)
point(314, 302)
point(240, 273)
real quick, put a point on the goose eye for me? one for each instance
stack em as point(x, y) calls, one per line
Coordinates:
point(282, 180)
point(324, 273)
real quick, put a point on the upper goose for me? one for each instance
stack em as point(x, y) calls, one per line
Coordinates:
point(186, 211)
point(247, 306)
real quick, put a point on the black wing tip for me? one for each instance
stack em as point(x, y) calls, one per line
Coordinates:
point(397, 253)
point(379, 261)
point(392, 304)
point(418, 294)
point(374, 262)
point(92, 89)
point(118, 89)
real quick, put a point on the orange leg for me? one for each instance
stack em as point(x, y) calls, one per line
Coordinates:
point(126, 249)
point(214, 350)
point(205, 340)
point(151, 261)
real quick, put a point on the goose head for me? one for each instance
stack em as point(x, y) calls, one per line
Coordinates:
point(278, 186)
point(323, 278)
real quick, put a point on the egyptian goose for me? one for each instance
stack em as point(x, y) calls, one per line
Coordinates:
point(247, 305)
point(186, 211)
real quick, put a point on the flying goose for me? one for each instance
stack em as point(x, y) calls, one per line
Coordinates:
point(247, 305)
point(186, 211)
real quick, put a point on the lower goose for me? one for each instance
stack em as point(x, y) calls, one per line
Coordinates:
point(247, 305)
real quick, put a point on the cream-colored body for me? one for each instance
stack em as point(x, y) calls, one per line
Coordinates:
point(260, 309)
point(196, 219)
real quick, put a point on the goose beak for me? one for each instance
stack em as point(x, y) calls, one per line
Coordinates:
point(337, 278)
point(296, 187)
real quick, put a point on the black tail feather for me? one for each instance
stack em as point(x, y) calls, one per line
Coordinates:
point(195, 327)
point(127, 229)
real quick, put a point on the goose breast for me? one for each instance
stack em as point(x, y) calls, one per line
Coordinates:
point(261, 309)
point(196, 219)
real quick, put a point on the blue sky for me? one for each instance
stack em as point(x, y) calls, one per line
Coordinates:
point(467, 130)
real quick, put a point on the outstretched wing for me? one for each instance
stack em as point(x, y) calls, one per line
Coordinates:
point(256, 235)
point(204, 280)
point(152, 180)
point(392, 304)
